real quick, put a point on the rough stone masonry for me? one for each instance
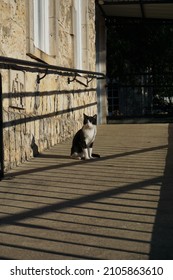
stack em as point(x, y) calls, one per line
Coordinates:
point(39, 115)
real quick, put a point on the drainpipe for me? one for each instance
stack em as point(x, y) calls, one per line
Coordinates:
point(1, 133)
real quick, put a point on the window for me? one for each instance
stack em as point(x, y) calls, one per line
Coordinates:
point(41, 30)
point(80, 31)
point(77, 24)
point(41, 25)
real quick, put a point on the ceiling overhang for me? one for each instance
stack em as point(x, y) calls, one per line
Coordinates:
point(149, 9)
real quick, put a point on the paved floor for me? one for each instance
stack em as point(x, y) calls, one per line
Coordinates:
point(117, 207)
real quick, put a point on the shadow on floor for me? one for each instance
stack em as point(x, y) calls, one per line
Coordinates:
point(127, 221)
point(74, 162)
point(162, 237)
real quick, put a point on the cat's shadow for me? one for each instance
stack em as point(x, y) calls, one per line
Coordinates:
point(34, 147)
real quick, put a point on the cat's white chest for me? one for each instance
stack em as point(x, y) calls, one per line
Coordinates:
point(89, 134)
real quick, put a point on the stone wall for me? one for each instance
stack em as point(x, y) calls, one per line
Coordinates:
point(39, 115)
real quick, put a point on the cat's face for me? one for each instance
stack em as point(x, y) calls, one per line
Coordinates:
point(90, 121)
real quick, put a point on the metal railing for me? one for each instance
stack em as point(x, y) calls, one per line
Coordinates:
point(38, 68)
point(29, 66)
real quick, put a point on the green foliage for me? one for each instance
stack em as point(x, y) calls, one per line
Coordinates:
point(137, 46)
point(141, 46)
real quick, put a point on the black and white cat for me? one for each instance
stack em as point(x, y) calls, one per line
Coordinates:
point(83, 140)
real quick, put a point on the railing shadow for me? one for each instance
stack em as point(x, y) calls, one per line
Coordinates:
point(104, 232)
point(77, 201)
point(162, 237)
point(110, 223)
point(78, 162)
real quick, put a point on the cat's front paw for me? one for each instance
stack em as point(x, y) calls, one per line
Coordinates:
point(86, 158)
point(76, 157)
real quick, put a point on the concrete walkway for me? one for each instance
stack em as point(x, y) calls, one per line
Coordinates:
point(117, 207)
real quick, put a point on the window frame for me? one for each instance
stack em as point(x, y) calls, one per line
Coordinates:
point(43, 52)
point(41, 25)
point(80, 32)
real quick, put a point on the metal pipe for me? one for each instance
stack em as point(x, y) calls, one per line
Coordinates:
point(1, 133)
point(11, 63)
point(132, 2)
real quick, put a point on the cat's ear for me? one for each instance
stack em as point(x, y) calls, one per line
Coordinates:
point(85, 119)
point(95, 116)
point(85, 116)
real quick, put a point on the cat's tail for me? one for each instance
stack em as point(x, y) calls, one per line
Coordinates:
point(96, 155)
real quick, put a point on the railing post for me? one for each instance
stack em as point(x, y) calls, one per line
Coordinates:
point(1, 133)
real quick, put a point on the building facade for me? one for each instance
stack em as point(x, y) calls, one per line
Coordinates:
point(40, 109)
